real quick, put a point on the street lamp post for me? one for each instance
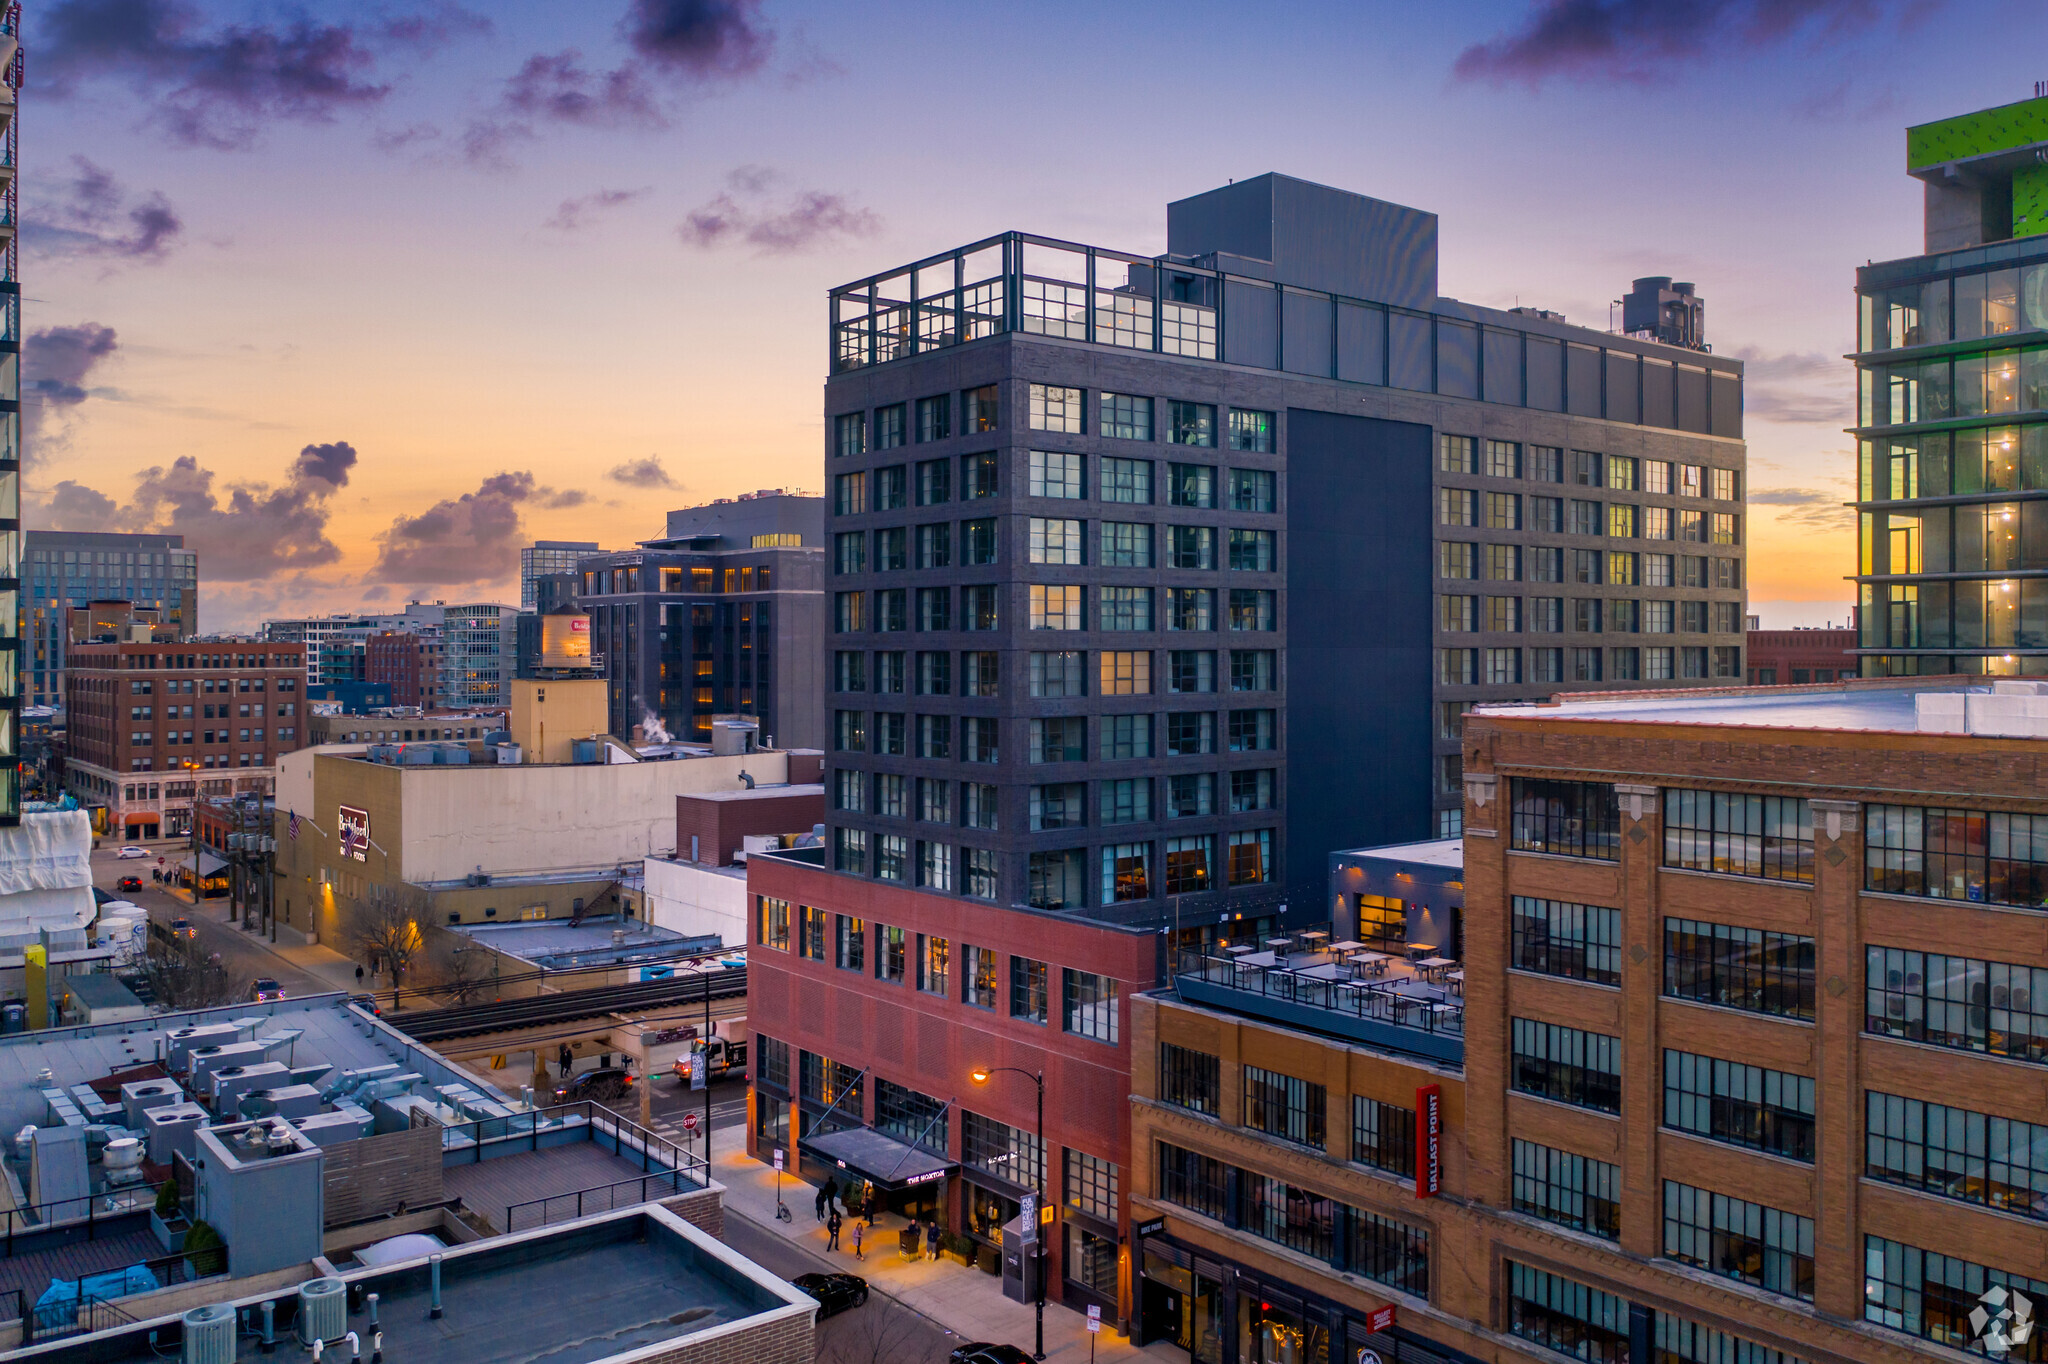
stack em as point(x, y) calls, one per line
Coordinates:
point(981, 1077)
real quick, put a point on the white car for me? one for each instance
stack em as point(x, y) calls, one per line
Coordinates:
point(131, 851)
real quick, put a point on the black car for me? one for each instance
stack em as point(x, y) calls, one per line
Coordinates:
point(834, 1292)
point(600, 1085)
point(987, 1352)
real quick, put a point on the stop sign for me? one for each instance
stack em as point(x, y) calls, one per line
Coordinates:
point(689, 1122)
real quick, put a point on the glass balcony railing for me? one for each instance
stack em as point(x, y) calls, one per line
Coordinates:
point(1414, 990)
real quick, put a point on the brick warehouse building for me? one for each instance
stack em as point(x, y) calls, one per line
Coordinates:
point(868, 1018)
point(154, 725)
point(1755, 1046)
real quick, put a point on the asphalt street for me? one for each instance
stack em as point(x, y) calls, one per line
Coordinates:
point(242, 956)
point(879, 1331)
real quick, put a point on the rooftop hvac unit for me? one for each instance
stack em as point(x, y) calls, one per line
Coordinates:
point(209, 1335)
point(323, 1310)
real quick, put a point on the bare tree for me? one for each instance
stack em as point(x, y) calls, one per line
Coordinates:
point(883, 1333)
point(387, 929)
point(177, 979)
point(462, 980)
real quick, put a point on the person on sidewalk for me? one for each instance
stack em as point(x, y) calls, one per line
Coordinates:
point(857, 1228)
point(359, 977)
point(832, 1225)
point(931, 1238)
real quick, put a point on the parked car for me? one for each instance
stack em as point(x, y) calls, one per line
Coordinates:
point(368, 1004)
point(128, 883)
point(601, 1085)
point(834, 1292)
point(265, 990)
point(182, 928)
point(988, 1352)
point(129, 851)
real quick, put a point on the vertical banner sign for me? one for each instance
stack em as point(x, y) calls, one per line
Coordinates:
point(1429, 1132)
point(1027, 1212)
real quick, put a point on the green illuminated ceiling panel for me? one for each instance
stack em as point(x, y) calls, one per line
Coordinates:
point(2030, 201)
point(2005, 128)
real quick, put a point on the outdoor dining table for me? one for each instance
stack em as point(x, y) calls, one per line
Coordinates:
point(1434, 966)
point(1456, 979)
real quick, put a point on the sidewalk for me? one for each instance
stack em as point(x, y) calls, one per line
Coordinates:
point(965, 1301)
point(323, 963)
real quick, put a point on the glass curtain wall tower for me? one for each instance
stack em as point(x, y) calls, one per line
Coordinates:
point(1952, 421)
point(10, 424)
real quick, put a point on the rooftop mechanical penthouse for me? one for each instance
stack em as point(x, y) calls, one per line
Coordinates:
point(1132, 556)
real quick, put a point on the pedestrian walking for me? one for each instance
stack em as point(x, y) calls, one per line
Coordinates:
point(931, 1238)
point(831, 1192)
point(359, 977)
point(818, 1203)
point(857, 1229)
point(832, 1230)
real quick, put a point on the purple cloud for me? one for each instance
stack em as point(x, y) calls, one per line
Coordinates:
point(96, 217)
point(473, 538)
point(809, 218)
point(572, 213)
point(700, 37)
point(57, 367)
point(641, 473)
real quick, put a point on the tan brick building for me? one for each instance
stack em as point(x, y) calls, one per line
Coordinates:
point(1755, 1059)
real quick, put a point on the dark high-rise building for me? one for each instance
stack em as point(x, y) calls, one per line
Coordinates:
point(1160, 577)
point(544, 557)
point(721, 614)
point(62, 570)
point(1953, 449)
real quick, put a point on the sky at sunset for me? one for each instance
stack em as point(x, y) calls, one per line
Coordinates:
point(362, 297)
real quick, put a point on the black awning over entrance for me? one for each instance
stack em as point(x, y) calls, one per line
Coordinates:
point(891, 1165)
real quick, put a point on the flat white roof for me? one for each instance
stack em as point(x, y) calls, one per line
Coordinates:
point(1435, 852)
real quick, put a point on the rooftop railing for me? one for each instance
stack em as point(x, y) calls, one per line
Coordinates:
point(1366, 985)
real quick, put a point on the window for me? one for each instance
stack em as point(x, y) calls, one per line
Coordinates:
point(977, 802)
point(810, 940)
point(1251, 857)
point(1251, 790)
point(1383, 1136)
point(978, 475)
point(892, 611)
point(934, 482)
point(1725, 528)
point(1765, 1110)
point(1503, 667)
point(979, 409)
point(1193, 1181)
point(1931, 1296)
point(978, 545)
point(1190, 608)
point(849, 790)
point(889, 674)
point(891, 550)
point(1956, 1153)
point(934, 965)
point(1191, 424)
point(1739, 968)
point(1284, 1106)
point(1055, 675)
point(1952, 854)
point(1739, 1239)
point(1055, 608)
point(1568, 818)
point(1457, 507)
point(1089, 1006)
point(1126, 801)
point(849, 612)
point(1007, 1152)
point(1251, 551)
point(1190, 794)
point(1054, 542)
point(1125, 544)
point(1959, 1002)
point(1456, 559)
point(1126, 480)
point(1126, 736)
point(1251, 431)
point(934, 736)
point(889, 733)
point(1546, 564)
point(1546, 464)
point(1566, 1316)
point(849, 943)
point(1126, 873)
point(1557, 938)
point(892, 488)
point(1125, 673)
point(1253, 608)
point(1058, 739)
point(1123, 417)
point(1252, 490)
point(1123, 608)
point(850, 552)
point(1724, 485)
point(1251, 731)
point(1027, 989)
point(1189, 733)
point(1252, 669)
point(1456, 454)
point(1055, 409)
point(851, 434)
point(1572, 1190)
point(1190, 547)
point(772, 922)
point(773, 1066)
point(1299, 1219)
point(1053, 879)
point(934, 674)
point(1058, 806)
point(1191, 485)
point(1189, 1079)
point(935, 417)
point(892, 852)
point(1056, 475)
point(1503, 511)
point(850, 850)
point(1737, 835)
point(935, 608)
point(913, 1118)
point(1091, 1187)
point(1187, 864)
point(1567, 1064)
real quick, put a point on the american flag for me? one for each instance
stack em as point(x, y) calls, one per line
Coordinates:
point(294, 826)
point(348, 840)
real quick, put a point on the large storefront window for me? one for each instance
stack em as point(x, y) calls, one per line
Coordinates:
point(1382, 922)
point(1091, 1260)
point(1184, 1305)
point(1274, 1330)
point(987, 1210)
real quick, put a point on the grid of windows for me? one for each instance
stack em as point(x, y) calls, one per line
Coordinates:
point(1557, 938)
point(772, 1067)
point(1572, 1190)
point(772, 922)
point(1739, 968)
point(1028, 990)
point(1089, 1005)
point(1284, 1106)
point(1566, 1316)
point(1931, 1296)
point(1193, 1181)
point(1055, 409)
point(1959, 1002)
point(1091, 1184)
point(1987, 857)
point(1972, 1157)
point(1569, 818)
point(1679, 1341)
point(1383, 1136)
point(1765, 1110)
point(1001, 1150)
point(1189, 1079)
point(1733, 1237)
point(914, 1118)
point(1739, 835)
point(1125, 417)
point(1056, 475)
point(1567, 1064)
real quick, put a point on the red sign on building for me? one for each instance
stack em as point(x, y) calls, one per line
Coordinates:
point(1429, 1133)
point(1380, 1319)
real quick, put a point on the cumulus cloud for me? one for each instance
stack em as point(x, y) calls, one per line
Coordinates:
point(1638, 40)
point(564, 499)
point(57, 367)
point(699, 37)
point(806, 219)
point(573, 214)
point(93, 216)
point(474, 538)
point(209, 88)
point(242, 531)
point(641, 473)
